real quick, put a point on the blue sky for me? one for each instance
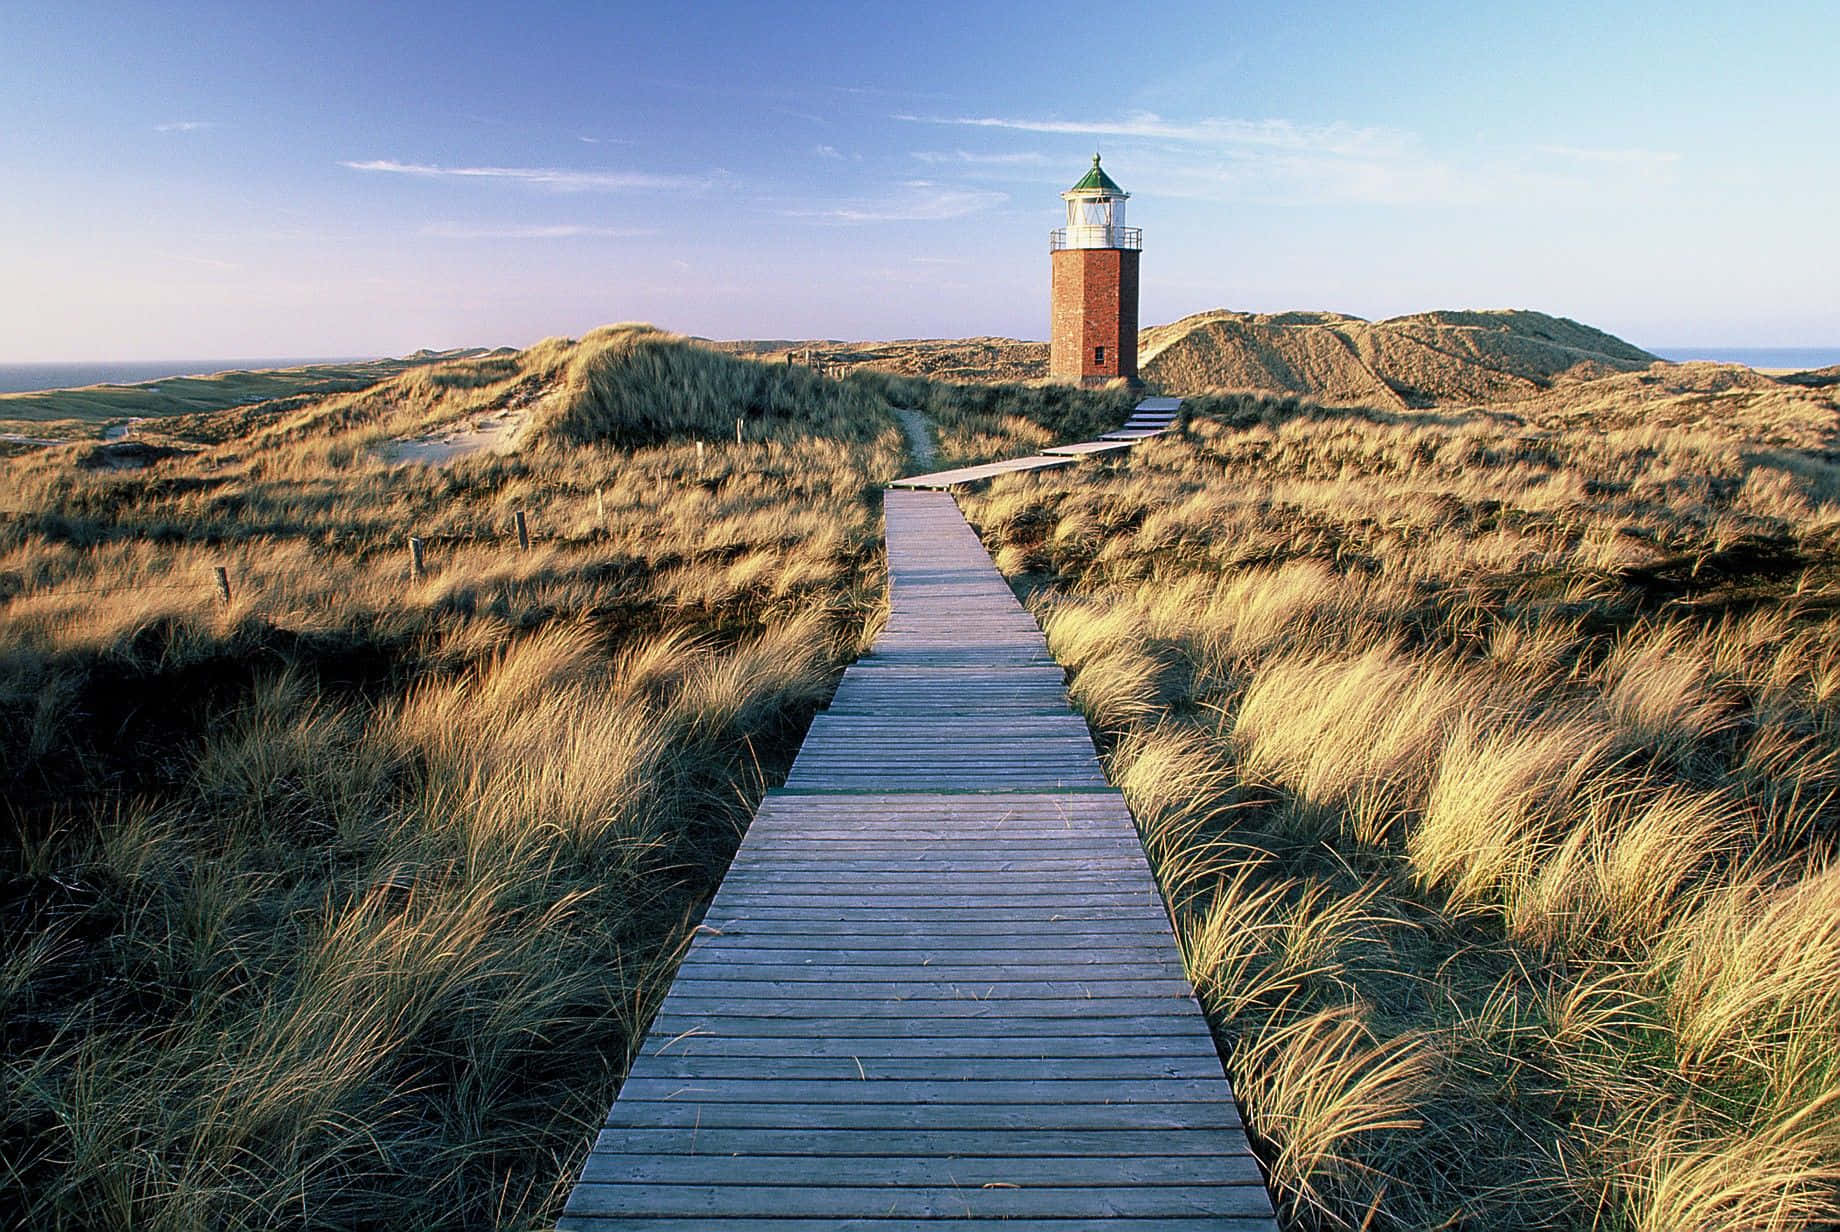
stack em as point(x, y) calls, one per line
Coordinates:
point(221, 180)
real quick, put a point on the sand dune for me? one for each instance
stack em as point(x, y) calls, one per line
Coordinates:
point(1426, 359)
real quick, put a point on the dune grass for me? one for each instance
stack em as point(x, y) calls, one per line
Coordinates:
point(342, 904)
point(1490, 766)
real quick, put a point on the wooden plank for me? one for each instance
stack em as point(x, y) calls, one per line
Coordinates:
point(894, 861)
point(1137, 953)
point(1040, 912)
point(931, 1011)
point(1002, 892)
point(720, 964)
point(1106, 1022)
point(929, 932)
point(739, 988)
point(915, 868)
point(1066, 946)
point(912, 1092)
point(685, 1114)
point(690, 1067)
point(939, 1047)
point(850, 1170)
point(936, 890)
point(901, 1144)
point(792, 1201)
point(1102, 1223)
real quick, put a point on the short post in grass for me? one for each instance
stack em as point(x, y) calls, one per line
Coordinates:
point(416, 568)
point(699, 457)
point(600, 507)
point(523, 530)
point(737, 431)
point(223, 583)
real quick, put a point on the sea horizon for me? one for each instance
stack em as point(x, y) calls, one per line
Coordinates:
point(1800, 358)
point(38, 377)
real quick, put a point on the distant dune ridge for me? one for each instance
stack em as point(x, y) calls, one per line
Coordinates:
point(1425, 359)
point(1422, 360)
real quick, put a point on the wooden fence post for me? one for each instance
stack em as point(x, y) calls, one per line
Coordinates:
point(737, 431)
point(223, 583)
point(523, 530)
point(600, 507)
point(699, 455)
point(416, 568)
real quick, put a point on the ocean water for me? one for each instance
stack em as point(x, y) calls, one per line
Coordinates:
point(25, 378)
point(1800, 358)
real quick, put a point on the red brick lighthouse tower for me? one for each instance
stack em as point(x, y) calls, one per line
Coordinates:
point(1093, 330)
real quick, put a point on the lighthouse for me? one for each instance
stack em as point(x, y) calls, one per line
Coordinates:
point(1093, 312)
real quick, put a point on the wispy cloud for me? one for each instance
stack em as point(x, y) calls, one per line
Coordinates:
point(214, 263)
point(555, 178)
point(827, 151)
point(560, 231)
point(1225, 159)
point(1283, 161)
point(912, 201)
point(971, 158)
point(186, 126)
point(1344, 139)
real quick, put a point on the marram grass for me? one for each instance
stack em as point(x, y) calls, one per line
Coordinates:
point(1491, 767)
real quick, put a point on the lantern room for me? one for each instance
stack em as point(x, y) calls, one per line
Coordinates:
point(1095, 214)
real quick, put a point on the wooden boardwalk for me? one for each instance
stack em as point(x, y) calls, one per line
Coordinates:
point(1153, 417)
point(938, 989)
point(984, 470)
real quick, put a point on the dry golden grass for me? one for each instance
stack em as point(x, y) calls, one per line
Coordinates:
point(340, 905)
point(1488, 761)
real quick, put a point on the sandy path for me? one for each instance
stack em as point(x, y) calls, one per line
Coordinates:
point(919, 435)
point(122, 431)
point(497, 432)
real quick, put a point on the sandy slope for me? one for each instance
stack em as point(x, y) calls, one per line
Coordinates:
point(497, 432)
point(1426, 359)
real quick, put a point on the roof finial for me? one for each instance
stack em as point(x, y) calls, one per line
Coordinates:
point(1095, 158)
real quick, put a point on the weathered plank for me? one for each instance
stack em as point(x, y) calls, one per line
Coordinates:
point(971, 1143)
point(688, 1067)
point(924, 1201)
point(1101, 1223)
point(845, 1170)
point(941, 1047)
point(721, 1114)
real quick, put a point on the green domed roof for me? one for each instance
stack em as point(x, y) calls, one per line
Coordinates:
point(1096, 181)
